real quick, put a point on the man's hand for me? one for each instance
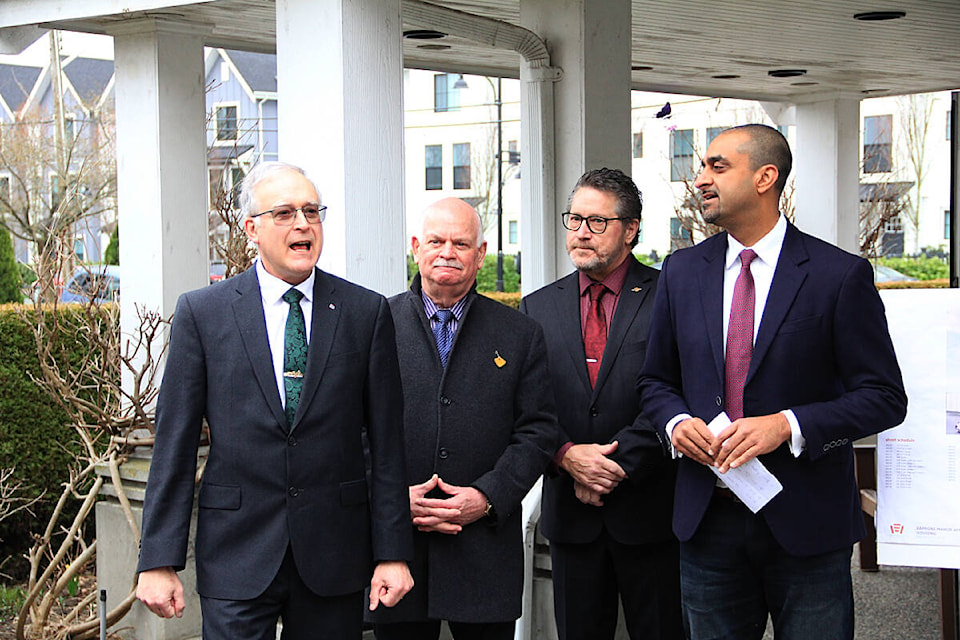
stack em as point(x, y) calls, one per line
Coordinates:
point(586, 495)
point(692, 438)
point(589, 465)
point(748, 438)
point(467, 503)
point(436, 516)
point(391, 581)
point(161, 591)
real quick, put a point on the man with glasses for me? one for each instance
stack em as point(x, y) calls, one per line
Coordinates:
point(290, 368)
point(608, 500)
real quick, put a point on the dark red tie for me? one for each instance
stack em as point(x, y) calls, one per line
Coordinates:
point(595, 331)
point(740, 336)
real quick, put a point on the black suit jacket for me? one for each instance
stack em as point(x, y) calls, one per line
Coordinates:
point(639, 509)
point(266, 488)
point(822, 350)
point(474, 424)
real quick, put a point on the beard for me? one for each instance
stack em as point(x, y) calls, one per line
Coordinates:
point(592, 263)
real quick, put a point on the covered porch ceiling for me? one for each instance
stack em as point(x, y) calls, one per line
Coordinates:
point(726, 50)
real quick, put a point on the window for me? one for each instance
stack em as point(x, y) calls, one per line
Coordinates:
point(946, 224)
point(446, 97)
point(638, 144)
point(4, 191)
point(226, 123)
point(893, 224)
point(713, 132)
point(513, 152)
point(461, 165)
point(679, 235)
point(69, 122)
point(512, 232)
point(433, 159)
point(681, 155)
point(877, 144)
point(79, 248)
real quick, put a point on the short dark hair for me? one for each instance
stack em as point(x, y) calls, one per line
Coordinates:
point(767, 146)
point(621, 186)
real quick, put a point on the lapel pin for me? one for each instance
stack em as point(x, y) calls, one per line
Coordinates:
point(636, 289)
point(332, 306)
point(498, 360)
point(292, 374)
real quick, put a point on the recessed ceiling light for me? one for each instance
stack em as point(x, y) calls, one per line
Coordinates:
point(725, 76)
point(424, 34)
point(803, 84)
point(786, 73)
point(877, 16)
point(641, 67)
point(434, 47)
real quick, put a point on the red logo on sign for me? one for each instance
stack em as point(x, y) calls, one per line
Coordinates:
point(896, 528)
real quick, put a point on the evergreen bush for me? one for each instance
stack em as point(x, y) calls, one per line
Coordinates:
point(10, 282)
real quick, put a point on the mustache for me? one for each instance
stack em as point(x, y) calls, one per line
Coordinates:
point(442, 262)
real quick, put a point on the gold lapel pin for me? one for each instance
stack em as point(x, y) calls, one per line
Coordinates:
point(498, 360)
point(292, 374)
point(635, 289)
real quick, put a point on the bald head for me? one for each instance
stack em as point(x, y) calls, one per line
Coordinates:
point(449, 250)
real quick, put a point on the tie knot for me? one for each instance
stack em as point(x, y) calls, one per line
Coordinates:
point(292, 296)
point(443, 316)
point(596, 290)
point(746, 257)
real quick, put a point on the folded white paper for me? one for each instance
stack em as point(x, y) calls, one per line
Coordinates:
point(751, 482)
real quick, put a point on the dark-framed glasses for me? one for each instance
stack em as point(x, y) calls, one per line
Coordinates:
point(596, 224)
point(285, 215)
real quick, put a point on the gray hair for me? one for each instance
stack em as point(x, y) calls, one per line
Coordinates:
point(432, 207)
point(248, 204)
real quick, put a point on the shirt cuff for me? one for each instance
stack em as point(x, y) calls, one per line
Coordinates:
point(797, 442)
point(674, 421)
point(558, 456)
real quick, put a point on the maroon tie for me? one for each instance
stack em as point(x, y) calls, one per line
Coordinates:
point(595, 331)
point(740, 336)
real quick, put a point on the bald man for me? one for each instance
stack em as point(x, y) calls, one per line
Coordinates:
point(480, 429)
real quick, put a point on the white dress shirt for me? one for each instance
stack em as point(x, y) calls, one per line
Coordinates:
point(275, 312)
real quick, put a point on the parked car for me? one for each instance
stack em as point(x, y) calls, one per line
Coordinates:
point(883, 273)
point(99, 282)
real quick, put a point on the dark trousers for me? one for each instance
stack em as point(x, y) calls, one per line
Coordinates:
point(589, 579)
point(305, 615)
point(430, 630)
point(734, 573)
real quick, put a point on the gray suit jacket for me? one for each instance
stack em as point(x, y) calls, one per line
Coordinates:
point(475, 424)
point(266, 487)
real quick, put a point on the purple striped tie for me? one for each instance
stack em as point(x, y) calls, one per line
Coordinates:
point(740, 336)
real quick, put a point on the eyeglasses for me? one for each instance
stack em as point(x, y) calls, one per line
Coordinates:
point(284, 216)
point(596, 224)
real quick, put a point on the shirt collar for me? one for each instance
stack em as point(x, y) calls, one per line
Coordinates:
point(767, 248)
point(272, 288)
point(430, 307)
point(614, 281)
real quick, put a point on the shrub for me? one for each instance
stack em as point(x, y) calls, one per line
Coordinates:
point(10, 281)
point(920, 267)
point(487, 276)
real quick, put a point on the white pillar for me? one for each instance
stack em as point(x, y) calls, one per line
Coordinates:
point(590, 41)
point(827, 162)
point(339, 86)
point(161, 164)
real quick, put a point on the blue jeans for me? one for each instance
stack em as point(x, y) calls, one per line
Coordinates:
point(733, 573)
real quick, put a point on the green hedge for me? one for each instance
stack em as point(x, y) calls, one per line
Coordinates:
point(35, 435)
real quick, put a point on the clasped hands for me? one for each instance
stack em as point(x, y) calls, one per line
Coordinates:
point(463, 506)
point(594, 474)
point(739, 443)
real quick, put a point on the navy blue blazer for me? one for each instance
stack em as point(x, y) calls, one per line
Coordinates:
point(822, 350)
point(638, 511)
point(266, 487)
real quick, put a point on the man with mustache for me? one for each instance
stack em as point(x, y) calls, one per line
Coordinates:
point(480, 428)
point(294, 371)
point(608, 498)
point(787, 334)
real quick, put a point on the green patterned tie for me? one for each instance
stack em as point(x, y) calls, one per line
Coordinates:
point(294, 353)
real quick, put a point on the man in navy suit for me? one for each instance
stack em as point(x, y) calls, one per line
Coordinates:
point(608, 498)
point(788, 335)
point(291, 520)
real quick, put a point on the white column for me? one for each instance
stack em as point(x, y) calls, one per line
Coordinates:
point(827, 164)
point(161, 165)
point(590, 41)
point(339, 85)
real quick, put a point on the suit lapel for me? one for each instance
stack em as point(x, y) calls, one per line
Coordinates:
point(636, 288)
point(710, 279)
point(787, 279)
point(326, 315)
point(248, 313)
point(567, 303)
